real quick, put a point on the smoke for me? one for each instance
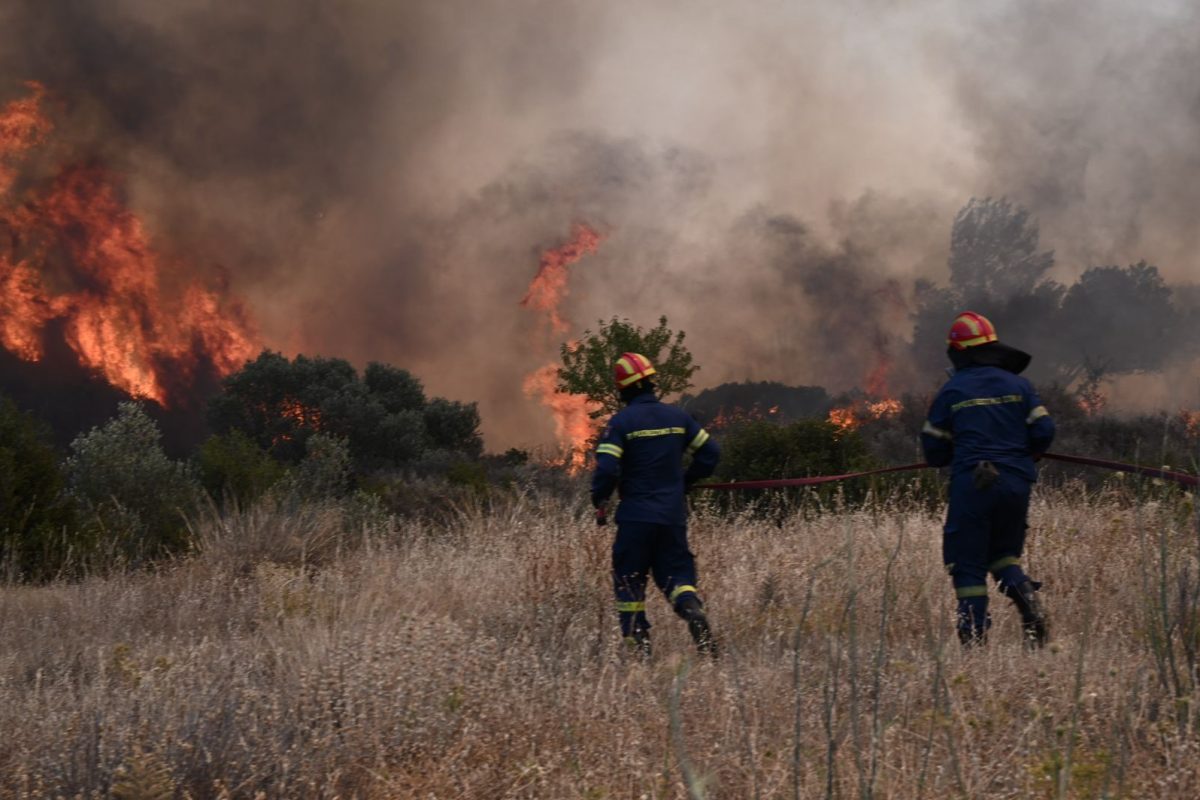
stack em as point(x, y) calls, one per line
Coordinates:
point(378, 179)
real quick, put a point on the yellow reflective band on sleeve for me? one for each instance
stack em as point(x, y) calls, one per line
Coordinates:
point(609, 450)
point(1003, 562)
point(699, 441)
point(632, 607)
point(678, 590)
point(970, 591)
point(986, 401)
point(937, 432)
point(1036, 414)
point(652, 432)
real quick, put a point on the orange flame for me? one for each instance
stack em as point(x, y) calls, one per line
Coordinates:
point(549, 287)
point(854, 415)
point(1092, 403)
point(726, 418)
point(573, 425)
point(1191, 423)
point(75, 253)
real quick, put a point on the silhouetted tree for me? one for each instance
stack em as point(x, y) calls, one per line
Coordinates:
point(994, 252)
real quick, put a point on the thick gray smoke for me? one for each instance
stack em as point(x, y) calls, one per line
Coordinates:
point(379, 178)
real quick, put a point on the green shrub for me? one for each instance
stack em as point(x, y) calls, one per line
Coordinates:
point(135, 497)
point(36, 519)
point(233, 468)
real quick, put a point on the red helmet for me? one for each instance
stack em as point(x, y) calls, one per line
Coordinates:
point(970, 330)
point(631, 368)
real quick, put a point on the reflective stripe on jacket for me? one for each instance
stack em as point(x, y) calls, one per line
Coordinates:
point(987, 414)
point(641, 454)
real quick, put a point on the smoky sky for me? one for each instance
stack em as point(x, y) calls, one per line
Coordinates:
point(377, 179)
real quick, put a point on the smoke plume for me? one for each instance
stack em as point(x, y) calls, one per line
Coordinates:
point(377, 180)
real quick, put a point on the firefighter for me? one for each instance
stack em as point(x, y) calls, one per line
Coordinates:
point(988, 423)
point(641, 454)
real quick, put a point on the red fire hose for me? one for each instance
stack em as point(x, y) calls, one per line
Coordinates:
point(1182, 478)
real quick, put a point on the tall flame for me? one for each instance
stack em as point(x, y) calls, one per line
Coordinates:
point(549, 287)
point(573, 425)
point(74, 253)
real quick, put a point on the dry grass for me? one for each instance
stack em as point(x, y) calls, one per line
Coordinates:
point(483, 662)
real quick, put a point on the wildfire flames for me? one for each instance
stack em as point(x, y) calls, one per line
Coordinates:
point(549, 286)
point(852, 416)
point(849, 417)
point(727, 418)
point(1191, 423)
point(573, 427)
point(75, 256)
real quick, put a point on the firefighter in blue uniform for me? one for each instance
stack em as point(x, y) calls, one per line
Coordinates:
point(989, 425)
point(641, 454)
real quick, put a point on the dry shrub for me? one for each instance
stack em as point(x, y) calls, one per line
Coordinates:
point(481, 659)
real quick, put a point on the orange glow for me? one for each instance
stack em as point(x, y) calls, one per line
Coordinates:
point(23, 126)
point(1092, 403)
point(549, 287)
point(854, 415)
point(844, 419)
point(1191, 423)
point(573, 427)
point(727, 418)
point(73, 252)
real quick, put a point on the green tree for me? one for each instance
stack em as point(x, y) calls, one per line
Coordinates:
point(763, 450)
point(136, 497)
point(384, 416)
point(994, 252)
point(232, 467)
point(36, 521)
point(588, 364)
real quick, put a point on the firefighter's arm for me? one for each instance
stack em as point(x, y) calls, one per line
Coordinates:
point(937, 435)
point(608, 464)
point(704, 452)
point(1039, 423)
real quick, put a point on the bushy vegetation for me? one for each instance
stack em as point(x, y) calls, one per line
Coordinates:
point(37, 523)
point(588, 362)
point(383, 416)
point(135, 499)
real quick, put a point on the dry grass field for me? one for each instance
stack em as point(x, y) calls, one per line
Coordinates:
point(299, 654)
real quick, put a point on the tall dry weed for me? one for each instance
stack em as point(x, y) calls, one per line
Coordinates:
point(317, 652)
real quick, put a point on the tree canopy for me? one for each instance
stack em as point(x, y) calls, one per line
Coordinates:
point(588, 363)
point(383, 415)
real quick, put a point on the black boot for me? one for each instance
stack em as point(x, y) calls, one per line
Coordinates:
point(691, 610)
point(1033, 616)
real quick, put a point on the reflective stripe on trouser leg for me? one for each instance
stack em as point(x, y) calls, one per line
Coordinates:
point(631, 603)
point(1008, 573)
point(679, 591)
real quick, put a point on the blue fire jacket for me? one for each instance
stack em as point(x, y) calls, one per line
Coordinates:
point(987, 414)
point(641, 454)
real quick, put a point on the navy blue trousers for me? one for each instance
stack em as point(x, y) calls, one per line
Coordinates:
point(985, 532)
point(644, 549)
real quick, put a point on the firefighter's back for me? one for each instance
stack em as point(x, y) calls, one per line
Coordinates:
point(656, 437)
